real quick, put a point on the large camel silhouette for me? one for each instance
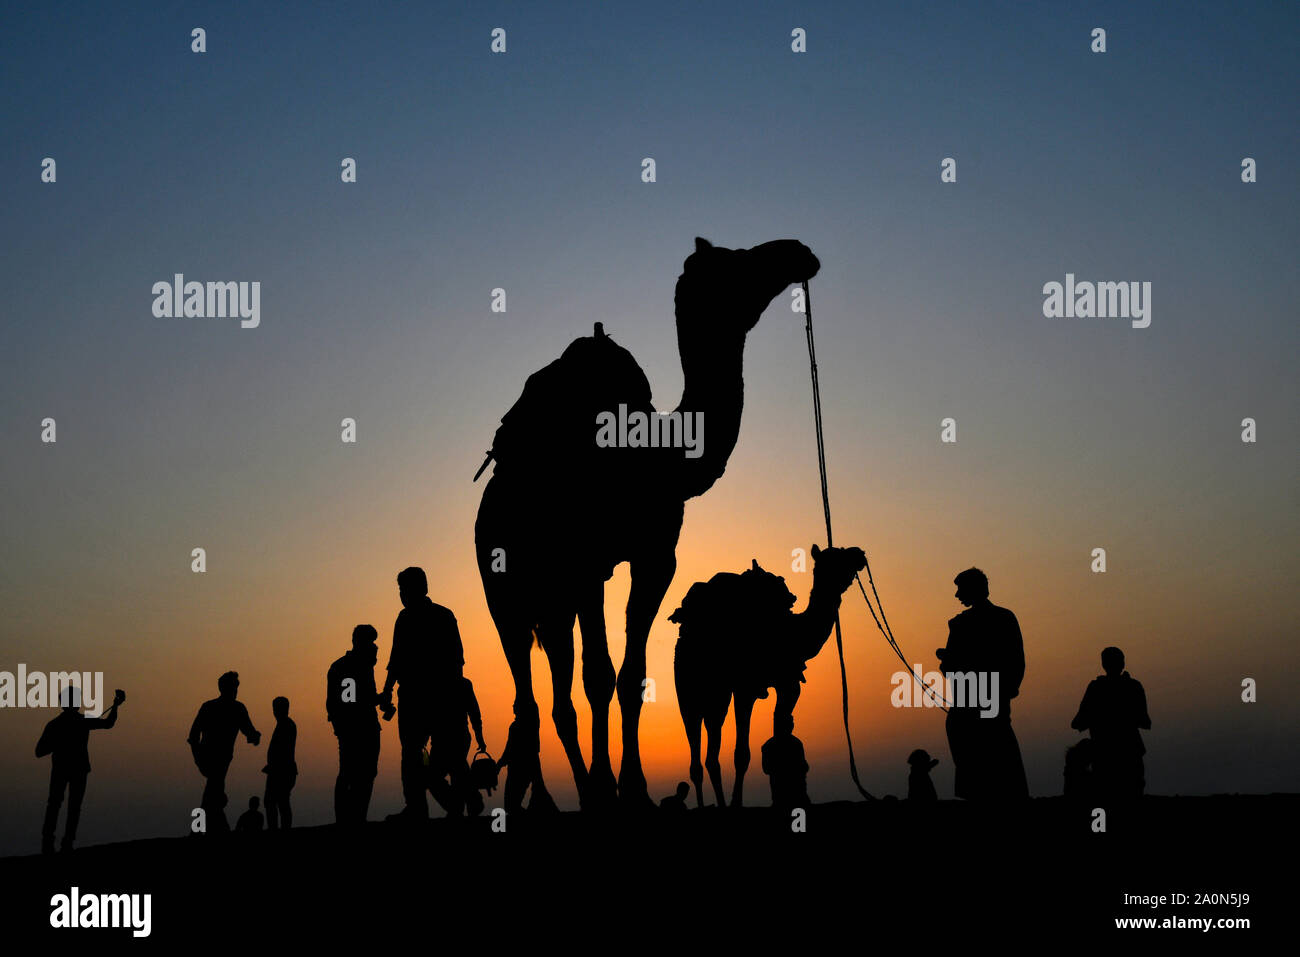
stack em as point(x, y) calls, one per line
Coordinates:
point(561, 510)
point(738, 637)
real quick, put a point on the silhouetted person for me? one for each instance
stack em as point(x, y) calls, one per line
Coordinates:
point(350, 702)
point(1078, 772)
point(250, 820)
point(919, 785)
point(676, 801)
point(785, 765)
point(212, 741)
point(66, 738)
point(984, 640)
point(426, 665)
point(1113, 710)
point(448, 753)
point(281, 769)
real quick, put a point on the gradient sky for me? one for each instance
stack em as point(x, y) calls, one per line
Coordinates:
point(523, 171)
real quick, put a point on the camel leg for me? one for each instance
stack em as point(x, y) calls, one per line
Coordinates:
point(744, 708)
point(525, 765)
point(693, 724)
point(714, 726)
point(650, 579)
point(557, 641)
point(598, 683)
point(787, 696)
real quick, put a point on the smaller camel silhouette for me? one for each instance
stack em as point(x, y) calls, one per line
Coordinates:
point(737, 638)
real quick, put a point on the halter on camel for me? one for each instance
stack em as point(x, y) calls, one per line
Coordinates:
point(826, 508)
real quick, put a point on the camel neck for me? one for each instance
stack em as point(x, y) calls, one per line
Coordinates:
point(716, 390)
point(823, 600)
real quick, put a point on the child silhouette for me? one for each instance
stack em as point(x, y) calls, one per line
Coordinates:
point(919, 785)
point(250, 820)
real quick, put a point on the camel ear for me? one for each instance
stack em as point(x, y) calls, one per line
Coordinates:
point(753, 564)
point(702, 244)
point(815, 550)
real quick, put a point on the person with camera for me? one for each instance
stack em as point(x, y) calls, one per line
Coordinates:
point(66, 738)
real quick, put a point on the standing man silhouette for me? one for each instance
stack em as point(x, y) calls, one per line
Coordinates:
point(212, 741)
point(350, 702)
point(985, 640)
point(67, 737)
point(1113, 710)
point(281, 767)
point(426, 664)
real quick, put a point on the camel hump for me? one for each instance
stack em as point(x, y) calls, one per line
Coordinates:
point(703, 600)
point(554, 418)
point(753, 598)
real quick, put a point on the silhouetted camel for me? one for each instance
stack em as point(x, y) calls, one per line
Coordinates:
point(738, 637)
point(561, 510)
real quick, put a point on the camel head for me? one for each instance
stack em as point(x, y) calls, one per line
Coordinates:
point(728, 289)
point(834, 568)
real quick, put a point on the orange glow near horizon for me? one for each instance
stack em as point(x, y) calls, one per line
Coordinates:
point(305, 541)
point(167, 653)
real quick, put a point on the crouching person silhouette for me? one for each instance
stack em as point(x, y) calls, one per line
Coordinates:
point(350, 702)
point(919, 785)
point(212, 742)
point(66, 738)
point(250, 822)
point(676, 802)
point(1078, 773)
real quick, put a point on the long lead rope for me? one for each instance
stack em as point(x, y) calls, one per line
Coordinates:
point(882, 623)
point(826, 509)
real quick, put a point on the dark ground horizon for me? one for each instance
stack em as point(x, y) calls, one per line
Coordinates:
point(710, 874)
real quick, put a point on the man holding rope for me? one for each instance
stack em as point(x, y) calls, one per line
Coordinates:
point(984, 639)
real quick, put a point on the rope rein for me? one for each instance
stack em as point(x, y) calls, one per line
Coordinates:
point(882, 623)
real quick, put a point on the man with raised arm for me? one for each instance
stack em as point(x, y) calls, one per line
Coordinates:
point(67, 737)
